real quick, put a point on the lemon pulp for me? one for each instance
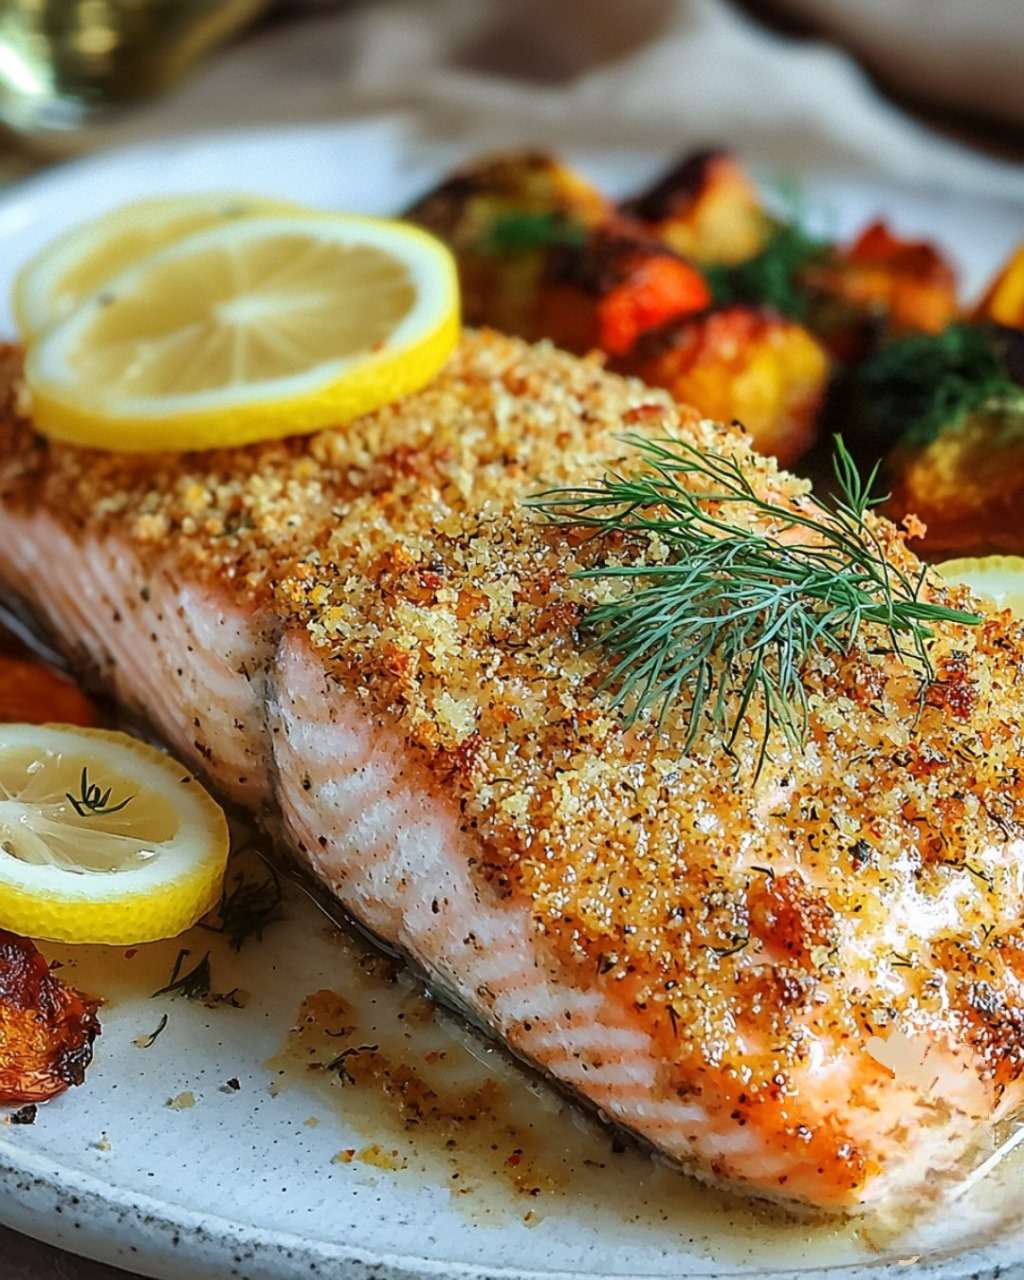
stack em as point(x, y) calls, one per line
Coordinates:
point(264, 327)
point(75, 265)
point(102, 838)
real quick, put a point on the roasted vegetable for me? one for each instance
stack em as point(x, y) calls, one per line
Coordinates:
point(740, 363)
point(46, 1028)
point(541, 255)
point(919, 386)
point(880, 285)
point(607, 292)
point(948, 409)
point(501, 216)
point(33, 694)
point(966, 485)
point(706, 208)
point(1003, 300)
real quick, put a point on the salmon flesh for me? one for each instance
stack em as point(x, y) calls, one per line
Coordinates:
point(806, 983)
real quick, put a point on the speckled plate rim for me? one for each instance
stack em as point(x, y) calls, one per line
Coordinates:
point(92, 1217)
point(76, 1211)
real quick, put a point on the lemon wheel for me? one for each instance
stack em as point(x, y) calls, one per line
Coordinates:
point(103, 838)
point(259, 328)
point(996, 578)
point(71, 268)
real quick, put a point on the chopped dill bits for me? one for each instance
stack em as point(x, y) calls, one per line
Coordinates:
point(247, 908)
point(191, 985)
point(148, 1041)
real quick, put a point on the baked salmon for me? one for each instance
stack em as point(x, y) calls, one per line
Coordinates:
point(804, 981)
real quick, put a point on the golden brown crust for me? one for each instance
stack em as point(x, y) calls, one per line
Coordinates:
point(839, 878)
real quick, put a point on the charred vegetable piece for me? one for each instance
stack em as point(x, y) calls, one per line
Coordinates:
point(706, 208)
point(949, 408)
point(741, 363)
point(881, 284)
point(607, 292)
point(1003, 301)
point(46, 1029)
point(501, 216)
point(966, 485)
point(33, 694)
point(463, 210)
point(920, 386)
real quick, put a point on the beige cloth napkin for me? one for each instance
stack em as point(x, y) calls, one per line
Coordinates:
point(652, 73)
point(966, 53)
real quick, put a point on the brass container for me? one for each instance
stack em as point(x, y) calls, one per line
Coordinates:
point(65, 64)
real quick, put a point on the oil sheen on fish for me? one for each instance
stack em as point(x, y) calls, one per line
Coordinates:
point(807, 983)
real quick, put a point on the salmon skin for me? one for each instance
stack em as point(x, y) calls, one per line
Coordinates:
point(806, 983)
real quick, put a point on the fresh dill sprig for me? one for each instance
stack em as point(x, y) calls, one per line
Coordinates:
point(248, 908)
point(736, 609)
point(194, 985)
point(523, 230)
point(918, 386)
point(772, 277)
point(92, 801)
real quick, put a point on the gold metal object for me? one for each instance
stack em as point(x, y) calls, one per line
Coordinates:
point(67, 63)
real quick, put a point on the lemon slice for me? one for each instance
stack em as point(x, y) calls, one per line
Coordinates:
point(75, 265)
point(996, 578)
point(102, 838)
point(259, 328)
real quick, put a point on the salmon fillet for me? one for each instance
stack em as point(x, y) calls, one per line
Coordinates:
point(366, 639)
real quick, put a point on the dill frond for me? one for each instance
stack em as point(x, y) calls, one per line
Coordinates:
point(920, 385)
point(737, 609)
point(92, 801)
point(774, 276)
point(524, 230)
point(248, 908)
point(194, 985)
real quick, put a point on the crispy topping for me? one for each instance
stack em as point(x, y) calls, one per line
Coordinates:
point(402, 546)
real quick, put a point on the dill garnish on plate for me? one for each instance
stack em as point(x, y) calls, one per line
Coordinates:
point(248, 908)
point(749, 590)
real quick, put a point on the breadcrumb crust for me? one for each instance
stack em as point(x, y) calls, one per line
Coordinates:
point(872, 879)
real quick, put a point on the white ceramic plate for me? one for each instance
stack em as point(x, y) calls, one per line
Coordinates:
point(296, 1173)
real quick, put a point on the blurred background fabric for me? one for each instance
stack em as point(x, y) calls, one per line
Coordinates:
point(661, 73)
point(964, 54)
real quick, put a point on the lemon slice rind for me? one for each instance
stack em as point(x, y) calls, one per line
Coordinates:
point(999, 579)
point(58, 279)
point(158, 898)
point(327, 394)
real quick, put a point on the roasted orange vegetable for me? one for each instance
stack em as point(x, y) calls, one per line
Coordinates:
point(616, 286)
point(966, 485)
point(501, 216)
point(740, 363)
point(880, 284)
point(463, 209)
point(46, 1029)
point(33, 694)
point(706, 208)
point(1003, 300)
